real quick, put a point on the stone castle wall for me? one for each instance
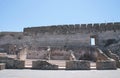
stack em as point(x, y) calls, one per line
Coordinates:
point(107, 35)
point(72, 29)
point(74, 35)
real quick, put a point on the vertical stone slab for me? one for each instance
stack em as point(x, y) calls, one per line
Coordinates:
point(106, 65)
point(2, 66)
point(78, 65)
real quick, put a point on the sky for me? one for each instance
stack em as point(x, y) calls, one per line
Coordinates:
point(18, 14)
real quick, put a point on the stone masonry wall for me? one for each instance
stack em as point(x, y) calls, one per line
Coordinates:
point(74, 35)
point(72, 29)
point(107, 35)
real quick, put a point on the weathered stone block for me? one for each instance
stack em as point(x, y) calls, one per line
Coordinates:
point(106, 65)
point(8, 61)
point(2, 66)
point(78, 65)
point(19, 64)
point(12, 63)
point(43, 65)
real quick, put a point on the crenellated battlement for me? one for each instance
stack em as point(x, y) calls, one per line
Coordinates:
point(74, 28)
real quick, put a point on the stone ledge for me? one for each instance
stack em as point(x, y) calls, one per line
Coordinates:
point(43, 65)
point(78, 65)
point(106, 65)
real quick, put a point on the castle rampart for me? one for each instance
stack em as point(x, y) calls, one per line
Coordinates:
point(63, 37)
point(74, 28)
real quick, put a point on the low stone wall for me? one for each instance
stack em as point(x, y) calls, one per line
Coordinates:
point(43, 65)
point(12, 63)
point(15, 64)
point(9, 63)
point(19, 64)
point(106, 65)
point(2, 66)
point(78, 65)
